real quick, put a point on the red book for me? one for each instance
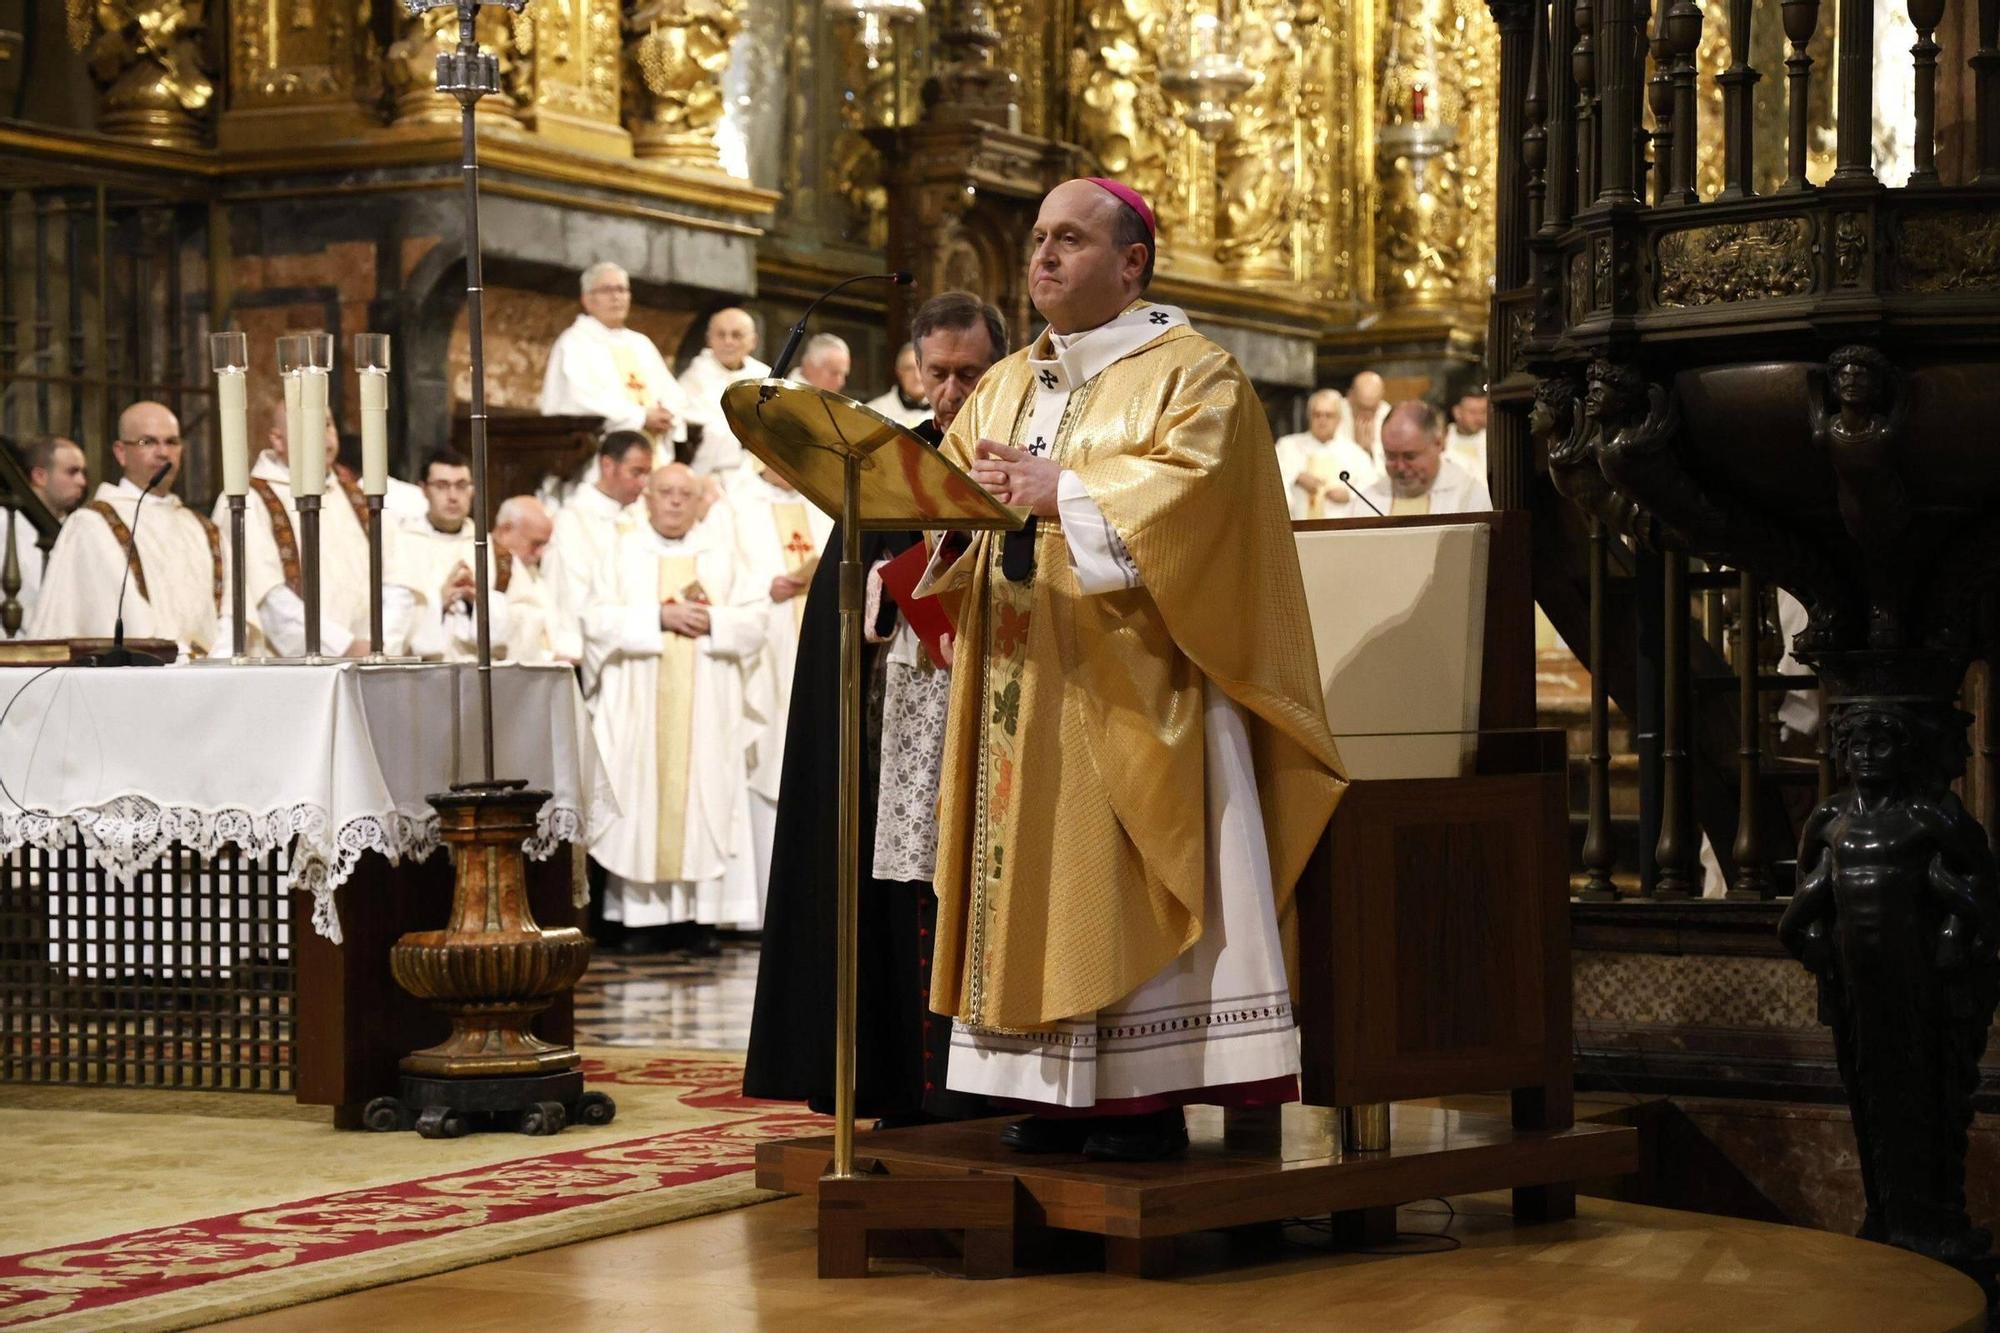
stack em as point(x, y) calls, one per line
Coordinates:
point(926, 614)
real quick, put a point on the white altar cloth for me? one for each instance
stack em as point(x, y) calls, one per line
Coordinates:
point(330, 761)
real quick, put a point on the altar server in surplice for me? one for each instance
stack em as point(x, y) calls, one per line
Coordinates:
point(779, 535)
point(433, 557)
point(671, 632)
point(272, 568)
point(601, 368)
point(175, 560)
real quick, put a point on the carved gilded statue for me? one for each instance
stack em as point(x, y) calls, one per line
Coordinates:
point(1122, 117)
point(146, 57)
point(679, 49)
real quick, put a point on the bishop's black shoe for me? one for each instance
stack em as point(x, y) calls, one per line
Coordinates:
point(1138, 1138)
point(1043, 1134)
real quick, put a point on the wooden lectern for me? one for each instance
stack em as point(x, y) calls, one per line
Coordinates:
point(1434, 917)
point(870, 473)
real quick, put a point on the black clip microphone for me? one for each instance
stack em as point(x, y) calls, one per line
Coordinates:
point(118, 654)
point(1348, 479)
point(784, 361)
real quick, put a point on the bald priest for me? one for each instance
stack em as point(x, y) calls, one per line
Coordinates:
point(1137, 762)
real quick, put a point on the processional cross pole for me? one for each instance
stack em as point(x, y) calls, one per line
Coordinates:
point(494, 968)
point(468, 74)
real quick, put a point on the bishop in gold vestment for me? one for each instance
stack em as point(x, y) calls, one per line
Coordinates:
point(1138, 763)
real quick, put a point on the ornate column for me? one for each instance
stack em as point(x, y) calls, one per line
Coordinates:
point(678, 50)
point(301, 72)
point(146, 58)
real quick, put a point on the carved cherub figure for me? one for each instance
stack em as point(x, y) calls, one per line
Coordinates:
point(1898, 916)
point(1858, 407)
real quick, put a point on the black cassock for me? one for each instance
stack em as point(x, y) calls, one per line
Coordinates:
point(901, 1046)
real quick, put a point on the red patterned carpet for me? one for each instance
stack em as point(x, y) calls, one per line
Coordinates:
point(682, 1144)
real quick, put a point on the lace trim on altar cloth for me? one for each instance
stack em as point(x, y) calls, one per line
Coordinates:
point(129, 834)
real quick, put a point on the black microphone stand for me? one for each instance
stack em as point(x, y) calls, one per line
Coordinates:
point(1347, 479)
point(791, 347)
point(118, 654)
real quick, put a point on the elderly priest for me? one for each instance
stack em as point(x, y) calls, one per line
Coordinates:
point(1137, 764)
point(729, 356)
point(601, 368)
point(175, 555)
point(671, 632)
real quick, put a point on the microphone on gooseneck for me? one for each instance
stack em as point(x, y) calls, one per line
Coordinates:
point(1347, 479)
point(119, 654)
point(784, 361)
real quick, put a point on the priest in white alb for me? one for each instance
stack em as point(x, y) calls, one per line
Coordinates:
point(670, 636)
point(1418, 476)
point(274, 592)
point(173, 552)
point(779, 534)
point(1310, 462)
point(599, 367)
point(521, 532)
point(1367, 409)
point(904, 402)
point(433, 557)
point(1137, 763)
point(730, 355)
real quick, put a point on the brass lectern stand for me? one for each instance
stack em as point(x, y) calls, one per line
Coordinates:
point(872, 474)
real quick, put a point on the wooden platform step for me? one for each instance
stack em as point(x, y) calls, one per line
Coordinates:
point(1244, 1171)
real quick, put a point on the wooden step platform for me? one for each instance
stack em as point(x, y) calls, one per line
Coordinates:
point(1241, 1170)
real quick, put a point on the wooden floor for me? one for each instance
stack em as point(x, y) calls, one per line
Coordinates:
point(1616, 1267)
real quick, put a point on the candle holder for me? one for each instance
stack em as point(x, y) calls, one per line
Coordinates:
point(229, 356)
point(371, 369)
point(308, 457)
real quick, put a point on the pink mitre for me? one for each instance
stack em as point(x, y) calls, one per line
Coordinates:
point(1125, 194)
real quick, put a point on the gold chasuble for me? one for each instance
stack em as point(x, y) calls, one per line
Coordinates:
point(1072, 845)
point(673, 722)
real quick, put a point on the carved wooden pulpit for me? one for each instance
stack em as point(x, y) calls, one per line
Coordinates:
point(964, 184)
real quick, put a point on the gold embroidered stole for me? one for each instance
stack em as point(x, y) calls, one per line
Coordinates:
point(795, 539)
point(673, 724)
point(629, 377)
point(1321, 464)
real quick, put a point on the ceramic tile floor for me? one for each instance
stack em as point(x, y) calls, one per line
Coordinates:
point(668, 999)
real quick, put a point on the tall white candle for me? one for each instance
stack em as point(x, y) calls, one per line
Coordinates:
point(294, 428)
point(374, 432)
point(309, 460)
point(232, 395)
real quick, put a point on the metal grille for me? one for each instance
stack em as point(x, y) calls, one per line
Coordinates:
point(185, 980)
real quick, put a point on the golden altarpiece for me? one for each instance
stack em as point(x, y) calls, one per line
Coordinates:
point(276, 164)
